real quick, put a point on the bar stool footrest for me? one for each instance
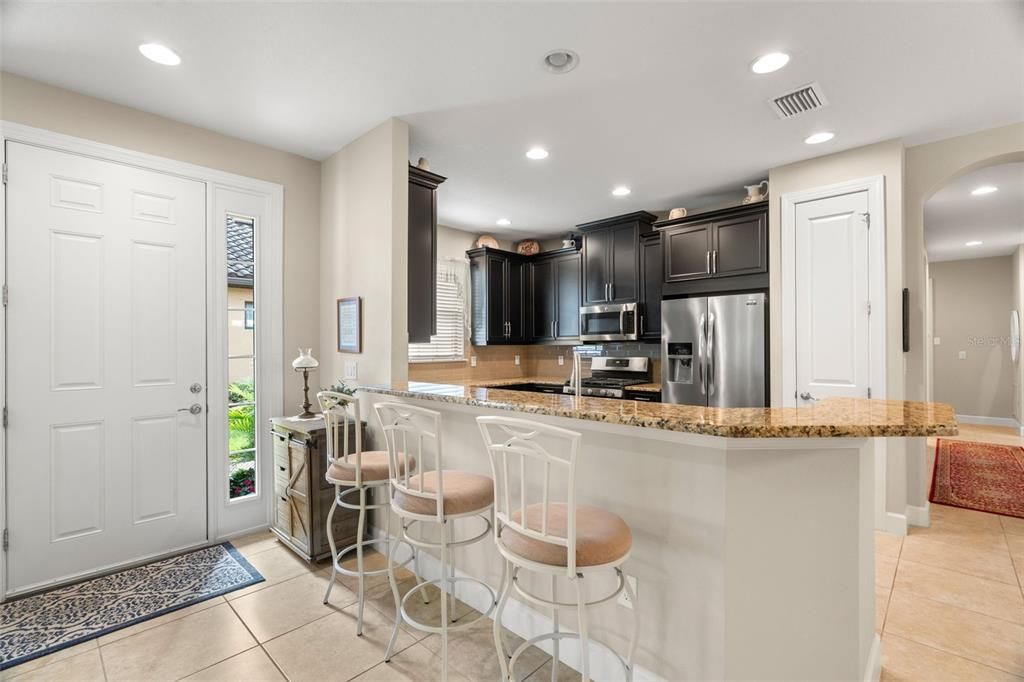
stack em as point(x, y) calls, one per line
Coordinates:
point(451, 627)
point(379, 571)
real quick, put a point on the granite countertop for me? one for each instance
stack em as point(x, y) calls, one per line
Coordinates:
point(547, 380)
point(831, 418)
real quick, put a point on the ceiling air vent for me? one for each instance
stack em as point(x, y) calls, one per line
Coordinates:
point(795, 102)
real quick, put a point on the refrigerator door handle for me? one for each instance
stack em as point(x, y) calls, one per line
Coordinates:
point(711, 354)
point(701, 338)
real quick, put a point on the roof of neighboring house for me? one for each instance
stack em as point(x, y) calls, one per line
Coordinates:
point(241, 253)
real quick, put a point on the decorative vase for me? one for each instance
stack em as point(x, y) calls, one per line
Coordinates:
point(754, 193)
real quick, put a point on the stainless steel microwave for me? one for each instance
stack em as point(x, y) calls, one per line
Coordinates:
point(609, 322)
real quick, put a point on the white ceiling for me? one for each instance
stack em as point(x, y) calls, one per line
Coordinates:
point(953, 217)
point(662, 101)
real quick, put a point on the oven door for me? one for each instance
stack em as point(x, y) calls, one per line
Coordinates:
point(616, 322)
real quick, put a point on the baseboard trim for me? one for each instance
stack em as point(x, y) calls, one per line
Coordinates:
point(527, 623)
point(873, 670)
point(918, 516)
point(895, 523)
point(1008, 422)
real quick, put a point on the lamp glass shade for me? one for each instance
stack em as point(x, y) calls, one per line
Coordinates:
point(305, 360)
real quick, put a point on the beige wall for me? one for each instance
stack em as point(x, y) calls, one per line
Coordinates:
point(885, 159)
point(43, 106)
point(1018, 304)
point(972, 300)
point(363, 243)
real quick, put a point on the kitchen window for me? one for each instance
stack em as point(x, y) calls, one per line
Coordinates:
point(449, 343)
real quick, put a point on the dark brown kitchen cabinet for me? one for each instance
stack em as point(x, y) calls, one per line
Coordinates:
point(611, 254)
point(652, 267)
point(717, 244)
point(554, 287)
point(422, 254)
point(498, 283)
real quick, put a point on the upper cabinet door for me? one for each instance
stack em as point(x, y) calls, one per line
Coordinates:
point(651, 278)
point(567, 280)
point(740, 246)
point(515, 298)
point(496, 294)
point(596, 266)
point(542, 285)
point(687, 252)
point(624, 263)
point(422, 315)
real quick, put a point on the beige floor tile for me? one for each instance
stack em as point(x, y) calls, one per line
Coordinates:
point(159, 620)
point(83, 667)
point(881, 606)
point(1016, 544)
point(429, 613)
point(565, 673)
point(372, 561)
point(991, 564)
point(1012, 525)
point(906, 661)
point(328, 649)
point(415, 664)
point(289, 604)
point(275, 565)
point(472, 652)
point(990, 597)
point(885, 571)
point(887, 544)
point(179, 648)
point(975, 636)
point(251, 666)
point(257, 542)
point(42, 661)
point(941, 514)
point(961, 535)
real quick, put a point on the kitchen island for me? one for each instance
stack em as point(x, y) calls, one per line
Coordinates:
point(753, 541)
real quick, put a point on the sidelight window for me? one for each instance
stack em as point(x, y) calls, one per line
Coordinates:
point(241, 323)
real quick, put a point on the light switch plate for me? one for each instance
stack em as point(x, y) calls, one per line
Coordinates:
point(624, 599)
point(472, 361)
point(351, 369)
point(962, 355)
point(937, 341)
point(561, 360)
point(517, 361)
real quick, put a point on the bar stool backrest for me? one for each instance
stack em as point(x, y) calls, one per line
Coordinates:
point(413, 433)
point(530, 451)
point(334, 407)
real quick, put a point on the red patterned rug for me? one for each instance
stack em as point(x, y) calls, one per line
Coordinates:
point(981, 476)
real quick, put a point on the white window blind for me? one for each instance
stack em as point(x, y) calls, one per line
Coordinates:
point(450, 341)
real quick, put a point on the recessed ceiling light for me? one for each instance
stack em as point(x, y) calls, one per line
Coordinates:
point(160, 54)
point(974, 243)
point(504, 222)
point(537, 153)
point(772, 61)
point(621, 191)
point(818, 138)
point(984, 189)
point(561, 61)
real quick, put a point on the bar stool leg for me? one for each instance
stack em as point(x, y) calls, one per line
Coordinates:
point(581, 606)
point(451, 573)
point(394, 589)
point(443, 583)
point(334, 548)
point(554, 619)
point(636, 626)
point(506, 587)
point(359, 558)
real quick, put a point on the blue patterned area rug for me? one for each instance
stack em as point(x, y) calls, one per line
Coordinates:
point(44, 623)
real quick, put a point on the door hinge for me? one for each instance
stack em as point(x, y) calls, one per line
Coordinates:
point(7, 541)
point(5, 295)
point(869, 307)
point(869, 391)
point(5, 416)
point(5, 172)
point(867, 219)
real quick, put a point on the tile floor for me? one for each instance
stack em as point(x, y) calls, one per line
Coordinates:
point(950, 606)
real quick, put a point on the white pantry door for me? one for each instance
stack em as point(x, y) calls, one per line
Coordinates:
point(833, 349)
point(106, 344)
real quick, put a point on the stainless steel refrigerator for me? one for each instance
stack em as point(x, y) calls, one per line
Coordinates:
point(713, 351)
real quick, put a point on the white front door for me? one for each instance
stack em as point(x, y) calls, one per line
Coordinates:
point(833, 349)
point(106, 346)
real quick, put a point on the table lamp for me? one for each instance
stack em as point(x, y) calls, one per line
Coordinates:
point(305, 363)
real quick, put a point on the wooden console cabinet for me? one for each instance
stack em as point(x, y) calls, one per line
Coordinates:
point(302, 495)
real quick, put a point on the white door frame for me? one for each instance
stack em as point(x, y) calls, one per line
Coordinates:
point(875, 187)
point(223, 521)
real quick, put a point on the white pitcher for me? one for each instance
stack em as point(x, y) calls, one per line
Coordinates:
point(754, 192)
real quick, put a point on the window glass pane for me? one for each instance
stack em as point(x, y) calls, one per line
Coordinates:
point(243, 450)
point(450, 340)
point(240, 380)
point(240, 340)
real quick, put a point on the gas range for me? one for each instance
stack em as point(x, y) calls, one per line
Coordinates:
point(611, 376)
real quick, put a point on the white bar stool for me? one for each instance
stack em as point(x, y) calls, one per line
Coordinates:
point(560, 539)
point(359, 472)
point(436, 495)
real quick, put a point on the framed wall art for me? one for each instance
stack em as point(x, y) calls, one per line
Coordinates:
point(350, 325)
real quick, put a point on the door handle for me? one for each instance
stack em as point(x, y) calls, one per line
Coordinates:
point(701, 339)
point(641, 325)
point(711, 354)
point(611, 291)
point(194, 408)
point(807, 396)
point(707, 262)
point(714, 262)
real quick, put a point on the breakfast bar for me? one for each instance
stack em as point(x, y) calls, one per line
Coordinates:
point(752, 527)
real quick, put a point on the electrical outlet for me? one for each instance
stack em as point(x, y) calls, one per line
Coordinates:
point(472, 361)
point(937, 341)
point(517, 361)
point(624, 599)
point(962, 355)
point(561, 360)
point(351, 369)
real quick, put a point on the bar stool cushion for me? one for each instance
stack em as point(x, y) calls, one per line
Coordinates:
point(464, 492)
point(374, 464)
point(601, 536)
